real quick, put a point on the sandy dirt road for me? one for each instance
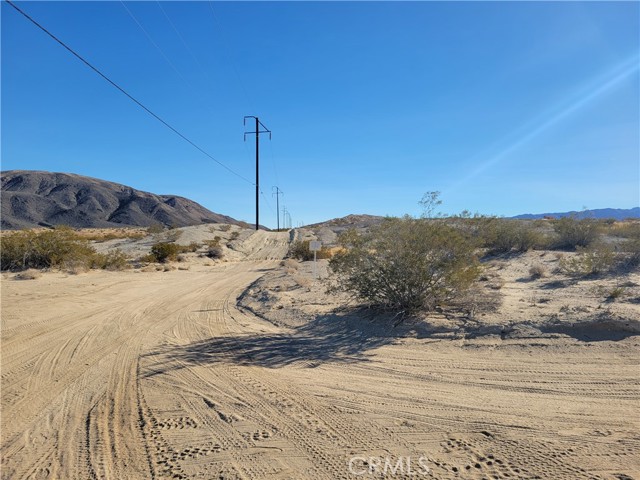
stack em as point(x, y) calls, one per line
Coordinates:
point(159, 375)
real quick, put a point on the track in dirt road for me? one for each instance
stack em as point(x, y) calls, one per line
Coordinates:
point(159, 375)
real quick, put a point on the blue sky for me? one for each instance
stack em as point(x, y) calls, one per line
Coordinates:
point(505, 108)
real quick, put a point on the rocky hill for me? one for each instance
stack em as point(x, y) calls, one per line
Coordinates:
point(36, 198)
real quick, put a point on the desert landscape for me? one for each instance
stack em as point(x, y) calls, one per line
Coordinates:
point(242, 366)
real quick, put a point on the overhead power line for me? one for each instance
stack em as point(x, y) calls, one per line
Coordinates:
point(123, 91)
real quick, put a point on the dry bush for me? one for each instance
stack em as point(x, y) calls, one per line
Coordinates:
point(505, 235)
point(103, 236)
point(627, 229)
point(538, 271)
point(214, 252)
point(225, 228)
point(113, 260)
point(234, 236)
point(155, 229)
point(596, 259)
point(27, 275)
point(405, 264)
point(630, 253)
point(300, 250)
point(173, 235)
point(572, 233)
point(59, 247)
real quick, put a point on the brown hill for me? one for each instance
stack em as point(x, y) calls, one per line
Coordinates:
point(36, 198)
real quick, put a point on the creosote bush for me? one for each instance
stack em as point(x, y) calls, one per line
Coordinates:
point(572, 233)
point(164, 251)
point(594, 260)
point(405, 264)
point(60, 247)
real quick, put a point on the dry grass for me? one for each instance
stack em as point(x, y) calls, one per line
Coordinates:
point(538, 271)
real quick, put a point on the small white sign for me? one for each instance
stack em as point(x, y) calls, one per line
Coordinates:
point(314, 246)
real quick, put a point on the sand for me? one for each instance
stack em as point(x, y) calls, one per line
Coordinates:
point(136, 375)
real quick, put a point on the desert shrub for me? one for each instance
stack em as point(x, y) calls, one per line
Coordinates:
point(173, 235)
point(505, 235)
point(214, 252)
point(594, 260)
point(225, 228)
point(105, 235)
point(164, 251)
point(155, 229)
point(300, 250)
point(572, 233)
point(627, 229)
point(405, 264)
point(59, 247)
point(234, 235)
point(192, 247)
point(113, 260)
point(213, 243)
point(537, 271)
point(615, 293)
point(630, 253)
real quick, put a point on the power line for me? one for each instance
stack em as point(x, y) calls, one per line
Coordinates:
point(156, 45)
point(184, 42)
point(123, 91)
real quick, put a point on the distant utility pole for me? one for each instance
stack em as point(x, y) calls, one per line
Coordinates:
point(277, 193)
point(284, 215)
point(257, 133)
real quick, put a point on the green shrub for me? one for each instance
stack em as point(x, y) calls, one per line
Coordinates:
point(60, 247)
point(164, 251)
point(572, 233)
point(405, 264)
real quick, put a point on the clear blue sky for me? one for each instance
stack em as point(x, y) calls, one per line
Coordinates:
point(505, 108)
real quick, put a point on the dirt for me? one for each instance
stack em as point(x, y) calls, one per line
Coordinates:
point(247, 369)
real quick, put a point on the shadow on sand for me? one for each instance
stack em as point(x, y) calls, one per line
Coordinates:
point(350, 338)
point(344, 338)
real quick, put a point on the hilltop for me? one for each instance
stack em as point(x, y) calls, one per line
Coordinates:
point(38, 198)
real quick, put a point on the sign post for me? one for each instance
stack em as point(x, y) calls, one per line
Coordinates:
point(314, 246)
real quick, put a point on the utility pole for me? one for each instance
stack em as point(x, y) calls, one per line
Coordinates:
point(277, 193)
point(284, 215)
point(257, 133)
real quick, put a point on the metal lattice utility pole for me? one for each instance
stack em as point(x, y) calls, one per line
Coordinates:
point(257, 133)
point(277, 193)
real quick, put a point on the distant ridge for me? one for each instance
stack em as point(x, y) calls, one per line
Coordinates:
point(35, 198)
point(615, 213)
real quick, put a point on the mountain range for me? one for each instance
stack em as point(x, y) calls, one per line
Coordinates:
point(36, 198)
